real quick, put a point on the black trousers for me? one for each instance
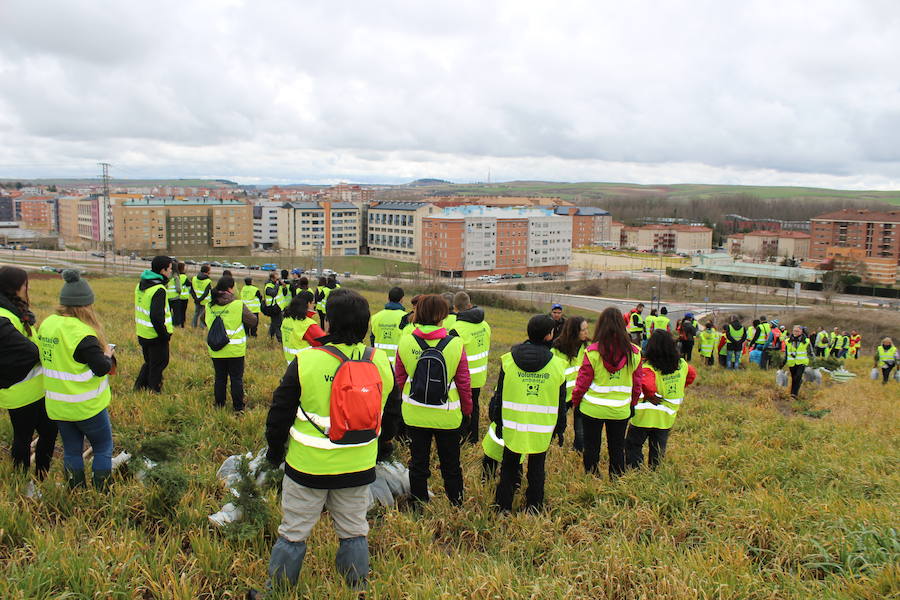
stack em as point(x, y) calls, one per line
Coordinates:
point(25, 421)
point(472, 434)
point(275, 325)
point(796, 378)
point(251, 331)
point(710, 360)
point(687, 348)
point(179, 312)
point(723, 360)
point(886, 373)
point(634, 445)
point(225, 369)
point(578, 430)
point(615, 444)
point(763, 358)
point(156, 359)
point(511, 477)
point(447, 442)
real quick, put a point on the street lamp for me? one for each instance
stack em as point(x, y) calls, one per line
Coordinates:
point(706, 297)
point(652, 296)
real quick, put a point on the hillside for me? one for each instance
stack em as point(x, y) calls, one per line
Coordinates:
point(754, 500)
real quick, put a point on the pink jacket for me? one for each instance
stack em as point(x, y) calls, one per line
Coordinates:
point(461, 378)
point(586, 374)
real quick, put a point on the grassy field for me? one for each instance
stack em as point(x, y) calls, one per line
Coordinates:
point(754, 500)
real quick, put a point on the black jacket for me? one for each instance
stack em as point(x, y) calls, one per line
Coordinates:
point(283, 411)
point(19, 354)
point(474, 315)
point(530, 358)
point(157, 306)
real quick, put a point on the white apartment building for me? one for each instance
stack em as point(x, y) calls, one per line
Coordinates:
point(265, 224)
point(305, 225)
point(394, 229)
point(549, 240)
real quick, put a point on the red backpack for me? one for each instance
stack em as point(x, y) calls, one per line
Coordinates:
point(355, 411)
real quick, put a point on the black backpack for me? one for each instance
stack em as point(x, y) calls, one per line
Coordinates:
point(217, 338)
point(430, 383)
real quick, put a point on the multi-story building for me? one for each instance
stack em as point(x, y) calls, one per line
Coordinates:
point(737, 223)
point(498, 201)
point(765, 244)
point(7, 209)
point(395, 229)
point(875, 234)
point(37, 213)
point(265, 224)
point(590, 225)
point(197, 225)
point(471, 241)
point(682, 239)
point(303, 226)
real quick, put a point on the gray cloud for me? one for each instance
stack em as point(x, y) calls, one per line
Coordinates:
point(648, 92)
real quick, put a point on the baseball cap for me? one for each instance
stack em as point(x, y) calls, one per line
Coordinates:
point(555, 306)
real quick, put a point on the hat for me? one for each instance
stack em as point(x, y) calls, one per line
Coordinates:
point(556, 306)
point(159, 263)
point(774, 322)
point(75, 291)
point(539, 326)
point(295, 271)
point(689, 316)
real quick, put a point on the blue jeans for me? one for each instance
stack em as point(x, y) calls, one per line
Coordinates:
point(98, 431)
point(734, 359)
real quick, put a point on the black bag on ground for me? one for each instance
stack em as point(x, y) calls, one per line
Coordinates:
point(217, 337)
point(430, 383)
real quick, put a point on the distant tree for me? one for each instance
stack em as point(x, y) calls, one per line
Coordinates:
point(19, 185)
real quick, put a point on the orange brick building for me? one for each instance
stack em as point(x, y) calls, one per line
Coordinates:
point(874, 236)
point(38, 213)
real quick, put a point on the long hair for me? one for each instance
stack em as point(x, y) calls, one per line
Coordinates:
point(11, 281)
point(299, 305)
point(612, 337)
point(86, 315)
point(661, 352)
point(568, 341)
point(222, 286)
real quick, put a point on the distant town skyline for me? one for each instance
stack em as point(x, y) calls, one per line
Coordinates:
point(746, 93)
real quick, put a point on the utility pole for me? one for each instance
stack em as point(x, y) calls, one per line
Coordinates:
point(318, 247)
point(105, 212)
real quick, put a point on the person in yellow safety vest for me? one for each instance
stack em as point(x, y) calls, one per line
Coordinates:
point(797, 354)
point(709, 337)
point(736, 334)
point(317, 472)
point(855, 343)
point(251, 296)
point(173, 293)
point(271, 307)
point(663, 380)
point(570, 347)
point(607, 387)
point(450, 321)
point(386, 324)
point(407, 323)
point(527, 410)
point(662, 321)
point(722, 345)
point(833, 339)
point(475, 332)
point(299, 330)
point(179, 305)
point(153, 323)
point(21, 375)
point(822, 341)
point(285, 294)
point(429, 412)
point(228, 362)
point(322, 291)
point(636, 326)
point(201, 286)
point(844, 342)
point(76, 361)
point(886, 358)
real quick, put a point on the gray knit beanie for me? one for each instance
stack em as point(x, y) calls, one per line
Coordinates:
point(75, 291)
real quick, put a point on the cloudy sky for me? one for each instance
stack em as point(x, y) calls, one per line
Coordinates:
point(719, 91)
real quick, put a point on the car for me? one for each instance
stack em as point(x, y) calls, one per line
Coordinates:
point(253, 267)
point(531, 274)
point(483, 277)
point(238, 265)
point(516, 276)
point(346, 273)
point(328, 272)
point(648, 270)
point(558, 274)
point(215, 263)
point(269, 267)
point(190, 262)
point(99, 254)
point(49, 269)
point(506, 276)
point(546, 274)
point(226, 264)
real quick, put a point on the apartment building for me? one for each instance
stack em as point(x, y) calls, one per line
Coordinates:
point(394, 229)
point(265, 224)
point(547, 202)
point(196, 225)
point(591, 226)
point(37, 213)
point(764, 244)
point(681, 239)
point(7, 209)
point(303, 226)
point(470, 241)
point(873, 234)
point(733, 223)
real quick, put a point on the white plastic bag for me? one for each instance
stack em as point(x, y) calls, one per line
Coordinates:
point(874, 374)
point(781, 378)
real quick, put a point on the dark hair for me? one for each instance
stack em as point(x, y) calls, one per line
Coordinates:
point(568, 341)
point(11, 281)
point(652, 312)
point(284, 273)
point(611, 336)
point(431, 309)
point(321, 280)
point(664, 311)
point(181, 267)
point(226, 273)
point(709, 325)
point(248, 281)
point(224, 284)
point(304, 281)
point(332, 282)
point(661, 352)
point(298, 306)
point(204, 268)
point(395, 294)
point(348, 316)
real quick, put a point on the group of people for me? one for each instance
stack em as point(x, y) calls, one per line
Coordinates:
point(416, 380)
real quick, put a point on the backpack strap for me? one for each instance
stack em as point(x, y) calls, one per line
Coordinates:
point(445, 341)
point(368, 353)
point(422, 343)
point(333, 351)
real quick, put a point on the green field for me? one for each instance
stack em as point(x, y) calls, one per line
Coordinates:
point(754, 501)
